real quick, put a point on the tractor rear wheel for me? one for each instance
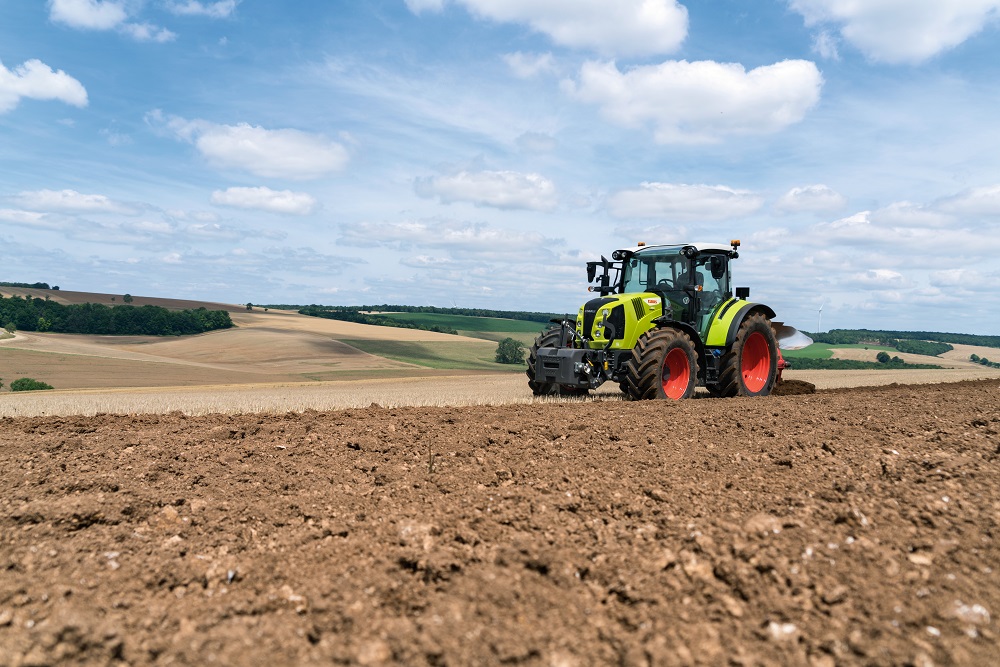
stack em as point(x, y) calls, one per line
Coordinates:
point(750, 365)
point(664, 364)
point(549, 338)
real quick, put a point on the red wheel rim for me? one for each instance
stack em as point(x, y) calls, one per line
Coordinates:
point(756, 363)
point(676, 373)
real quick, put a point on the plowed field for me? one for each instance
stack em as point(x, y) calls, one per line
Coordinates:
point(852, 526)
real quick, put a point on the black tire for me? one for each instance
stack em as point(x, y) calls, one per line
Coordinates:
point(664, 364)
point(750, 366)
point(549, 338)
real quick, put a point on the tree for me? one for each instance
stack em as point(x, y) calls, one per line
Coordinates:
point(974, 358)
point(883, 357)
point(10, 328)
point(127, 298)
point(510, 351)
point(1, 384)
point(249, 306)
point(28, 384)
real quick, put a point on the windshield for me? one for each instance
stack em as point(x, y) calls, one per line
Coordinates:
point(664, 269)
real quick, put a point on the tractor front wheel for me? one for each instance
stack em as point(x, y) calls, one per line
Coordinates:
point(549, 338)
point(750, 366)
point(664, 364)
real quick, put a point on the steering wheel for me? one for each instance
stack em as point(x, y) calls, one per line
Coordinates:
point(665, 282)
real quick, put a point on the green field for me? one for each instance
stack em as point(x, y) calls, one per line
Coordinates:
point(466, 323)
point(441, 355)
point(825, 350)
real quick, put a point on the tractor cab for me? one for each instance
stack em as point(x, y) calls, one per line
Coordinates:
point(692, 279)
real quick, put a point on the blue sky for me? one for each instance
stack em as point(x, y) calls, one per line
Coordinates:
point(478, 152)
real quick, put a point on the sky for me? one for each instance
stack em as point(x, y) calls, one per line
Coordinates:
point(476, 153)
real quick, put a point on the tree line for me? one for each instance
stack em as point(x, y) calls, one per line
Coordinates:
point(352, 315)
point(29, 285)
point(890, 338)
point(526, 316)
point(33, 314)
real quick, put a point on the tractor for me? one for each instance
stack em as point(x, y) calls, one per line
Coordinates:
point(666, 322)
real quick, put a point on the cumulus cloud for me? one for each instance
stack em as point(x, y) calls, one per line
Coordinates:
point(906, 214)
point(106, 15)
point(266, 199)
point(147, 32)
point(71, 201)
point(813, 198)
point(622, 27)
point(499, 189)
point(699, 102)
point(462, 238)
point(856, 228)
point(673, 201)
point(88, 14)
point(900, 31)
point(281, 153)
point(30, 218)
point(982, 201)
point(880, 279)
point(36, 80)
point(215, 10)
point(527, 65)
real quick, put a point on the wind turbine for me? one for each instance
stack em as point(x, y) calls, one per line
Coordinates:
point(819, 320)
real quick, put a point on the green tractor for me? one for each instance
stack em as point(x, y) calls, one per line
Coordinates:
point(666, 321)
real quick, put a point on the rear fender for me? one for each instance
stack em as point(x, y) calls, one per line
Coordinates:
point(726, 324)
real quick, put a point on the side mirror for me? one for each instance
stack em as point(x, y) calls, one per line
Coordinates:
point(718, 266)
point(591, 271)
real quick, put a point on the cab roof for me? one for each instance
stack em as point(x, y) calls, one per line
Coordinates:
point(702, 247)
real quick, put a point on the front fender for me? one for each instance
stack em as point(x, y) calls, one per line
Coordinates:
point(699, 345)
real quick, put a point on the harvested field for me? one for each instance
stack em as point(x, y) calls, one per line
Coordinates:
point(852, 526)
point(420, 387)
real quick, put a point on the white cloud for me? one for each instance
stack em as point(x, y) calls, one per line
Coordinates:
point(880, 279)
point(462, 238)
point(215, 10)
point(266, 199)
point(36, 80)
point(618, 27)
point(527, 65)
point(147, 32)
point(21, 217)
point(71, 201)
point(825, 46)
point(816, 198)
point(106, 15)
point(215, 232)
point(682, 202)
point(88, 14)
point(283, 153)
point(854, 229)
point(901, 31)
point(704, 101)
point(499, 189)
point(906, 215)
point(983, 201)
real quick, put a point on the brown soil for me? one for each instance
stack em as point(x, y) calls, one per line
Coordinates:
point(843, 527)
